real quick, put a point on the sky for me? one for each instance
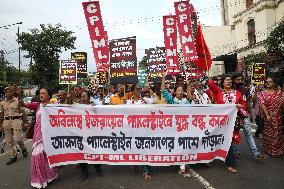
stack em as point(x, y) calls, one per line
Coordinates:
point(123, 18)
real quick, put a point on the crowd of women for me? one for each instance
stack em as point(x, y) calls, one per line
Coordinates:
point(267, 101)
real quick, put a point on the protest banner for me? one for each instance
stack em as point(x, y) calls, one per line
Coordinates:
point(258, 73)
point(156, 63)
point(170, 40)
point(191, 71)
point(98, 35)
point(142, 76)
point(81, 59)
point(68, 72)
point(184, 10)
point(160, 135)
point(123, 60)
point(101, 78)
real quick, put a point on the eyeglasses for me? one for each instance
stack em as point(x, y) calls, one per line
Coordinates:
point(268, 81)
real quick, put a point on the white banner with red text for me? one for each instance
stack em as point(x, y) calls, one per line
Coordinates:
point(158, 135)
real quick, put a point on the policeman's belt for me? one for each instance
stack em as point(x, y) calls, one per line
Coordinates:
point(12, 117)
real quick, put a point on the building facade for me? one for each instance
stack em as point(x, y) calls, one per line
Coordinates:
point(246, 24)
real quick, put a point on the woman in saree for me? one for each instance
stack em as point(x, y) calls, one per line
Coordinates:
point(271, 101)
point(41, 173)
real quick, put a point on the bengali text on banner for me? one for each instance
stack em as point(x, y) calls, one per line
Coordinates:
point(158, 135)
point(156, 63)
point(123, 60)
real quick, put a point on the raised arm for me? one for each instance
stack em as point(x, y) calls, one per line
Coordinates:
point(32, 106)
point(214, 88)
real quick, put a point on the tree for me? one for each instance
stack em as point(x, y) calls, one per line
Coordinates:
point(3, 75)
point(44, 46)
point(143, 63)
point(275, 41)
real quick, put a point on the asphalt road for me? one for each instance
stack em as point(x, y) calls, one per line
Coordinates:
point(264, 174)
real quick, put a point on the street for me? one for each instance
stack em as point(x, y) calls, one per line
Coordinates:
point(263, 174)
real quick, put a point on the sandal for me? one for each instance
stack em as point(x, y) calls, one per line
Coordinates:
point(147, 176)
point(238, 155)
point(184, 173)
point(232, 169)
point(261, 156)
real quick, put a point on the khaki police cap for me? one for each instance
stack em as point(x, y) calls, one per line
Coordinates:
point(8, 88)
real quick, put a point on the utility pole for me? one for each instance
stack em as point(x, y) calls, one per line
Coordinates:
point(19, 54)
point(7, 27)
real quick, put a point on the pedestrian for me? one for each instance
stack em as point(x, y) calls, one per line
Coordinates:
point(259, 117)
point(227, 95)
point(190, 96)
point(77, 94)
point(41, 173)
point(245, 120)
point(137, 99)
point(200, 95)
point(136, 95)
point(98, 99)
point(12, 124)
point(272, 101)
point(119, 97)
point(150, 96)
point(176, 98)
point(85, 99)
point(61, 97)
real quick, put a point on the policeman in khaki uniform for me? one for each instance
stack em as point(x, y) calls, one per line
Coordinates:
point(12, 124)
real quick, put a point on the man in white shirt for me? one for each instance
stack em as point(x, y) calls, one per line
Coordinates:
point(200, 96)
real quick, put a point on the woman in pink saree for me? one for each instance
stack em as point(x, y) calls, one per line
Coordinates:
point(41, 174)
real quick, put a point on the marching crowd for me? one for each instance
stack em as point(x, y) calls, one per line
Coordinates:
point(267, 102)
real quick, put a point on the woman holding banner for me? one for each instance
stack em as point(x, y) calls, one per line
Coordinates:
point(41, 174)
point(85, 99)
point(176, 98)
point(227, 95)
point(137, 99)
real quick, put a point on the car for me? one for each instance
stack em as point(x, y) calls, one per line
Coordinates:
point(27, 99)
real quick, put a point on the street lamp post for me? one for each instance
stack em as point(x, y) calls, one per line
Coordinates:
point(19, 52)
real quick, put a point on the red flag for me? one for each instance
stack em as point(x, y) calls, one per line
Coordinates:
point(204, 61)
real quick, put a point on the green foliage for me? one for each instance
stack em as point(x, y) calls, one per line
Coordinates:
point(143, 63)
point(44, 46)
point(256, 58)
point(275, 42)
point(85, 82)
point(3, 71)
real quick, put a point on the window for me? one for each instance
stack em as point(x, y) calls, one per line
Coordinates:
point(251, 32)
point(249, 3)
